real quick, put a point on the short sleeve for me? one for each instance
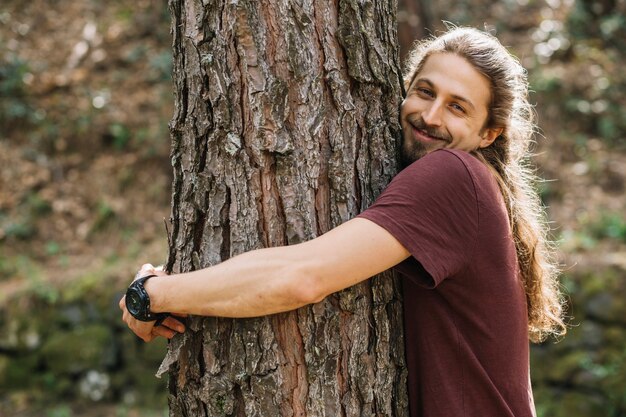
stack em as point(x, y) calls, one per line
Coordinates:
point(431, 208)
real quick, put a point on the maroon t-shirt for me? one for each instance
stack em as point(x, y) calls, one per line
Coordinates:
point(466, 324)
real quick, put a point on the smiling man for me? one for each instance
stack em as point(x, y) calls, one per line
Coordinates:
point(446, 107)
point(461, 223)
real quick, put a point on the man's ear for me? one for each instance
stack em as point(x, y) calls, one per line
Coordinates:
point(489, 135)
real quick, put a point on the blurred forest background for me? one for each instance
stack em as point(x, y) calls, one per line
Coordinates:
point(85, 98)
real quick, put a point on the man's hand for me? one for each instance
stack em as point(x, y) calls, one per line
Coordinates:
point(147, 331)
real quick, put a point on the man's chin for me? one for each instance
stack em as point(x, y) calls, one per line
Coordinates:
point(412, 153)
point(407, 157)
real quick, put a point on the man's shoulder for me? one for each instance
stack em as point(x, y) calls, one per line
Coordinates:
point(443, 171)
point(454, 170)
point(460, 157)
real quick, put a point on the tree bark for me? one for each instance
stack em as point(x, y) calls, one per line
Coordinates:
point(286, 125)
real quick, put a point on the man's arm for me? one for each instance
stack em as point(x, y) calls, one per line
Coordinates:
point(273, 280)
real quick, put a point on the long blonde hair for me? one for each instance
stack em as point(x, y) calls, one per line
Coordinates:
point(508, 159)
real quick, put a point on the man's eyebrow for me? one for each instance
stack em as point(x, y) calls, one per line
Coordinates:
point(454, 96)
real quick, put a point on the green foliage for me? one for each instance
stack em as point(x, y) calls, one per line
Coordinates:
point(60, 411)
point(162, 64)
point(136, 54)
point(40, 288)
point(56, 330)
point(23, 226)
point(76, 351)
point(7, 268)
point(52, 248)
point(598, 20)
point(20, 266)
point(606, 225)
point(584, 82)
point(547, 83)
point(595, 103)
point(609, 226)
point(592, 106)
point(583, 374)
point(105, 214)
point(14, 104)
point(125, 411)
point(17, 372)
point(121, 135)
point(36, 205)
point(73, 347)
point(21, 229)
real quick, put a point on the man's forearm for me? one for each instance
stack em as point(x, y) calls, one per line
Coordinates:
point(253, 284)
point(273, 280)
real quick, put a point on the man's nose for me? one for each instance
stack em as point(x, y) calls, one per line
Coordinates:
point(432, 115)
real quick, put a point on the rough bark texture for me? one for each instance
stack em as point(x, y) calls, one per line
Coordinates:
point(286, 125)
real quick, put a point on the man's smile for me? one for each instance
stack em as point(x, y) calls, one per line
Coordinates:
point(423, 136)
point(426, 134)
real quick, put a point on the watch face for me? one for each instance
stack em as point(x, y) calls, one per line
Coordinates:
point(133, 302)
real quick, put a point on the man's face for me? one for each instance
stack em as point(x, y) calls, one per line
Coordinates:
point(446, 106)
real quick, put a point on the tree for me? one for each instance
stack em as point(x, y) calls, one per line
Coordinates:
point(286, 125)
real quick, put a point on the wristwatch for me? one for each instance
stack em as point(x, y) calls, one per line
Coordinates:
point(138, 302)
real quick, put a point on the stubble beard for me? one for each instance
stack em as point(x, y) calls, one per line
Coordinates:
point(412, 149)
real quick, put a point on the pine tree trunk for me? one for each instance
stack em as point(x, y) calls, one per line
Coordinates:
point(286, 125)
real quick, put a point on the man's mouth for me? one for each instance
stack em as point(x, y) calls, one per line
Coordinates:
point(422, 135)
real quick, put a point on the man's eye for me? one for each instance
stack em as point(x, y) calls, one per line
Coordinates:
point(425, 91)
point(457, 107)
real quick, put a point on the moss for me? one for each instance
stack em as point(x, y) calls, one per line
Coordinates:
point(17, 373)
point(77, 350)
point(553, 403)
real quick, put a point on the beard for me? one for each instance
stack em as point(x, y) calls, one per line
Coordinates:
point(412, 150)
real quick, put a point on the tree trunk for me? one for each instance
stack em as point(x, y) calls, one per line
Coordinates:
point(286, 125)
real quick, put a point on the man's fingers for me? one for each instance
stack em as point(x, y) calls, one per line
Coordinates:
point(173, 324)
point(163, 331)
point(122, 303)
point(147, 338)
point(149, 269)
point(141, 329)
point(146, 269)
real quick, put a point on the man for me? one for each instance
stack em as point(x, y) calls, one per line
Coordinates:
point(461, 223)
